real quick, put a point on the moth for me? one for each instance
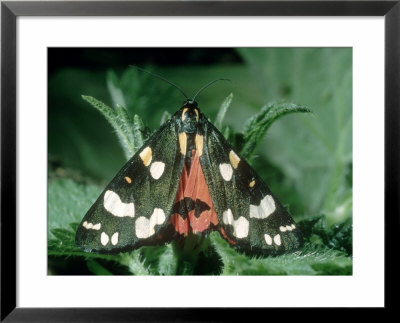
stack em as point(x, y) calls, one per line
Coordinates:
point(187, 179)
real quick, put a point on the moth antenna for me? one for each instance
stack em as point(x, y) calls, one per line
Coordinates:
point(207, 85)
point(160, 77)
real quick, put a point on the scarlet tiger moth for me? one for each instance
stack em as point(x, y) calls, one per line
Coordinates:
point(187, 179)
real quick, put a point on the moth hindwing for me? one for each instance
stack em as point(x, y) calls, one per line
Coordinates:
point(187, 179)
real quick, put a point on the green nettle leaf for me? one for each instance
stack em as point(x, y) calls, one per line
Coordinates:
point(338, 236)
point(114, 88)
point(117, 119)
point(165, 116)
point(167, 262)
point(341, 237)
point(257, 126)
point(222, 111)
point(312, 260)
point(130, 131)
point(134, 262)
point(126, 125)
point(140, 133)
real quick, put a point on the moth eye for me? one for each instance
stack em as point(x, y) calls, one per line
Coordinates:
point(184, 114)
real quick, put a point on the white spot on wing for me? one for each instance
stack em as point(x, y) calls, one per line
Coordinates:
point(265, 209)
point(277, 239)
point(157, 169)
point(89, 225)
point(283, 229)
point(113, 204)
point(96, 226)
point(104, 238)
point(114, 238)
point(227, 217)
point(226, 171)
point(268, 239)
point(144, 227)
point(240, 226)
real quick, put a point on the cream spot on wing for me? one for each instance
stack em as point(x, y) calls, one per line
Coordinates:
point(183, 117)
point(146, 155)
point(283, 229)
point(144, 227)
point(113, 204)
point(268, 239)
point(157, 169)
point(182, 142)
point(289, 228)
point(226, 171)
point(114, 238)
point(84, 224)
point(293, 226)
point(265, 209)
point(104, 238)
point(252, 183)
point(199, 144)
point(128, 179)
point(89, 226)
point(234, 159)
point(240, 226)
point(277, 240)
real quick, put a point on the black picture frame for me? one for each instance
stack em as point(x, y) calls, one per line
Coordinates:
point(11, 10)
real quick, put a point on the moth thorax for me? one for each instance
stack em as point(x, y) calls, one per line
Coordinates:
point(191, 145)
point(190, 118)
point(190, 111)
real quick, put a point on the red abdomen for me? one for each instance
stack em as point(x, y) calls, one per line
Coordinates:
point(193, 210)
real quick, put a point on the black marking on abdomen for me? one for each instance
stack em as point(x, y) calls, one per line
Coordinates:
point(191, 150)
point(184, 206)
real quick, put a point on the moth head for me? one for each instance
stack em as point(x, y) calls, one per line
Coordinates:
point(190, 115)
